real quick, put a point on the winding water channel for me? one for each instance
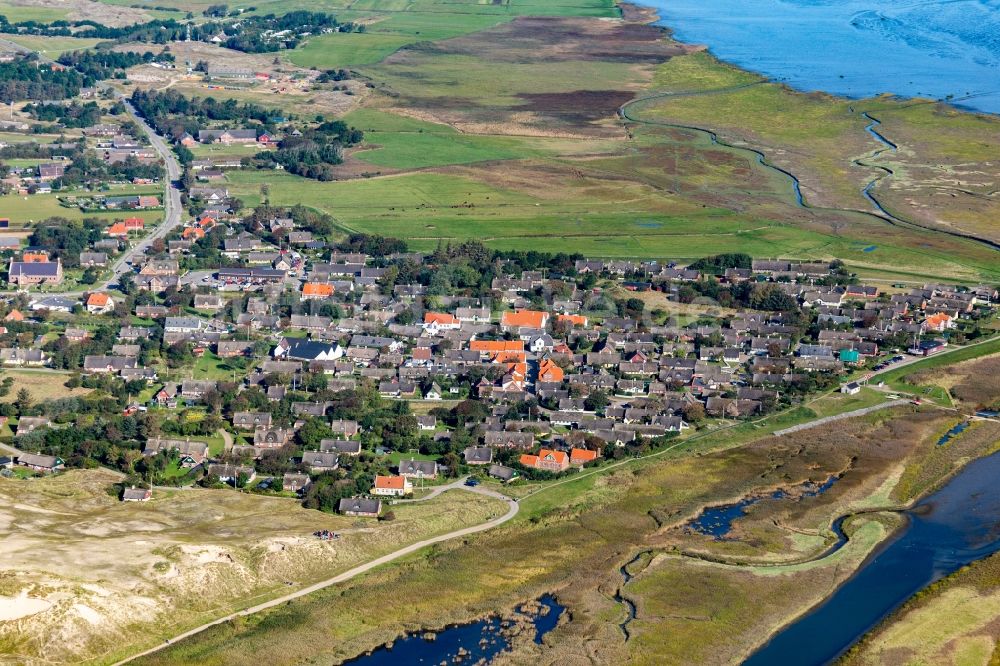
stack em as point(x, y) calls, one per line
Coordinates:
point(955, 526)
point(887, 146)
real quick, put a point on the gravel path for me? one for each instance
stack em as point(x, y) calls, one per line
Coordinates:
point(840, 417)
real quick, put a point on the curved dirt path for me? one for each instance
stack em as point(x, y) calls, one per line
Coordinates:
point(512, 508)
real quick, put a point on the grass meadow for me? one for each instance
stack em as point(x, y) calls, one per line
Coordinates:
point(427, 208)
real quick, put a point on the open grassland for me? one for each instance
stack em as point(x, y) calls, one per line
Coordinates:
point(46, 11)
point(974, 384)
point(31, 209)
point(398, 142)
point(41, 384)
point(117, 574)
point(516, 211)
point(574, 537)
point(348, 50)
point(522, 109)
point(839, 403)
point(944, 169)
point(952, 622)
point(53, 47)
point(16, 12)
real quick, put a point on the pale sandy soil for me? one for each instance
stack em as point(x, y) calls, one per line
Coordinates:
point(73, 557)
point(14, 608)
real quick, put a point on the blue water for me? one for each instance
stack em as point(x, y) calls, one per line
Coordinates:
point(717, 521)
point(955, 526)
point(856, 48)
point(870, 248)
point(954, 432)
point(447, 643)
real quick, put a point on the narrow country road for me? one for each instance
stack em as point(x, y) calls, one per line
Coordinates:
point(171, 199)
point(227, 440)
point(457, 484)
point(512, 509)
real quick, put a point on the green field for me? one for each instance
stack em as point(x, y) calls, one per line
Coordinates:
point(18, 13)
point(428, 208)
point(547, 179)
point(210, 366)
point(53, 47)
point(346, 50)
point(29, 209)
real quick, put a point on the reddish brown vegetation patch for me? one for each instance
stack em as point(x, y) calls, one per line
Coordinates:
point(578, 106)
point(543, 39)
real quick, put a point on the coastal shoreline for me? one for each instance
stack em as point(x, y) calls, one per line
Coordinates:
point(636, 11)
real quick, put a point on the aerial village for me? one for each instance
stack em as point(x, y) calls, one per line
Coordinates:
point(183, 336)
point(250, 349)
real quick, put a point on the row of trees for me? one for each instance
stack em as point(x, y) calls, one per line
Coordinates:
point(250, 33)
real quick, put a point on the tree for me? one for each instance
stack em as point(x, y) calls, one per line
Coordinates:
point(127, 284)
point(178, 354)
point(771, 297)
point(23, 400)
point(694, 412)
point(596, 401)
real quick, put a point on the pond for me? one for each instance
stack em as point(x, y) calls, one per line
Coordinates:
point(717, 521)
point(483, 639)
point(953, 433)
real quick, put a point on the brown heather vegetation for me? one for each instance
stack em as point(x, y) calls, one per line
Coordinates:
point(122, 574)
point(974, 383)
point(510, 55)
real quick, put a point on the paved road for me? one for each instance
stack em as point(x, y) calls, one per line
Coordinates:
point(227, 440)
point(172, 208)
point(512, 509)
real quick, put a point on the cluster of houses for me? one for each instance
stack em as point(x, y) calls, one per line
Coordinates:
point(36, 179)
point(107, 142)
point(597, 378)
point(227, 137)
